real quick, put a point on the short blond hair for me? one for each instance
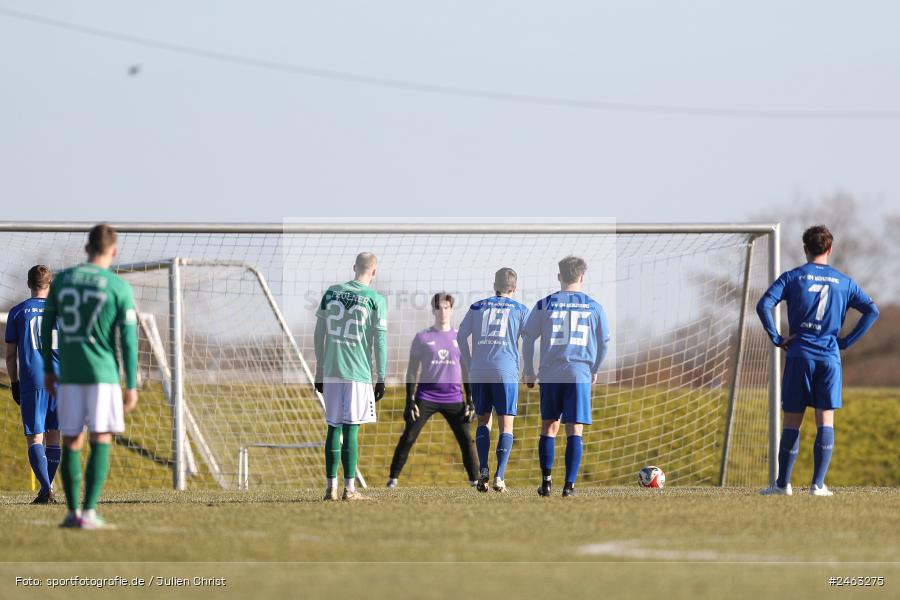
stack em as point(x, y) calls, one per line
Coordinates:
point(505, 280)
point(365, 262)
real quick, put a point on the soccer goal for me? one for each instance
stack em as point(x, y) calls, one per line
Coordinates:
point(226, 346)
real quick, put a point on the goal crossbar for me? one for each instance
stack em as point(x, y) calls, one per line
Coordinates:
point(433, 228)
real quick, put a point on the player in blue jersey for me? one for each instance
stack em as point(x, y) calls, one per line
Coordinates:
point(494, 324)
point(26, 372)
point(817, 297)
point(574, 340)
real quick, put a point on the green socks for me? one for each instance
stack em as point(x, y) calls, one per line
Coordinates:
point(350, 451)
point(71, 476)
point(95, 476)
point(332, 451)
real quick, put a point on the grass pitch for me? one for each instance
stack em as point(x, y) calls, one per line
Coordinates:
point(416, 524)
point(432, 543)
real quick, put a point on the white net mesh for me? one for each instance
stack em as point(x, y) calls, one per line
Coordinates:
point(673, 300)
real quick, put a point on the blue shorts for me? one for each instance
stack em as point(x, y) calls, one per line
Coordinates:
point(815, 383)
point(38, 411)
point(502, 397)
point(571, 401)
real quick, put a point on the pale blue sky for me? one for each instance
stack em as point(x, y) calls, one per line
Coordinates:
point(196, 139)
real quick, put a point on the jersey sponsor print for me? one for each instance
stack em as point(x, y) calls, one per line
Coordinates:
point(435, 357)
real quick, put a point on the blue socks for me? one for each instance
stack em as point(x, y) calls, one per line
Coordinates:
point(504, 445)
point(787, 455)
point(482, 445)
point(822, 454)
point(546, 454)
point(53, 455)
point(574, 450)
point(38, 460)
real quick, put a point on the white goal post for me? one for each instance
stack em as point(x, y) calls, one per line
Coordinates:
point(226, 356)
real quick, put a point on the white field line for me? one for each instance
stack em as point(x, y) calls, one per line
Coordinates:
point(631, 549)
point(55, 525)
point(39, 522)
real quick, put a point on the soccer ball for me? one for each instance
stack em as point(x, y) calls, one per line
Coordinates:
point(651, 477)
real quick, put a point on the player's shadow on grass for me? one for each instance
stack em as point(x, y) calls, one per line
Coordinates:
point(133, 446)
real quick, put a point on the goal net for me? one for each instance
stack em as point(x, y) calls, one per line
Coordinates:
point(226, 318)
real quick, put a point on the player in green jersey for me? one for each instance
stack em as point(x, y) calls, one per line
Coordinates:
point(92, 305)
point(351, 325)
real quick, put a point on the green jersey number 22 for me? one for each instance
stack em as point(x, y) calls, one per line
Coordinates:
point(356, 317)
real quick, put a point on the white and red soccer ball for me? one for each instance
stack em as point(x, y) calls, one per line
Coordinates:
point(651, 477)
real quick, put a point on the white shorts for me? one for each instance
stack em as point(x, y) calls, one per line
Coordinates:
point(95, 405)
point(348, 402)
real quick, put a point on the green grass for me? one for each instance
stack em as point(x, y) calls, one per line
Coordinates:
point(610, 542)
point(699, 540)
point(431, 524)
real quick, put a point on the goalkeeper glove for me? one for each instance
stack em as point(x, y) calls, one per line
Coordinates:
point(16, 394)
point(320, 387)
point(379, 390)
point(469, 412)
point(411, 413)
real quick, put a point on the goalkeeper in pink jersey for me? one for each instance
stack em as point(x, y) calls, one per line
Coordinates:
point(434, 385)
